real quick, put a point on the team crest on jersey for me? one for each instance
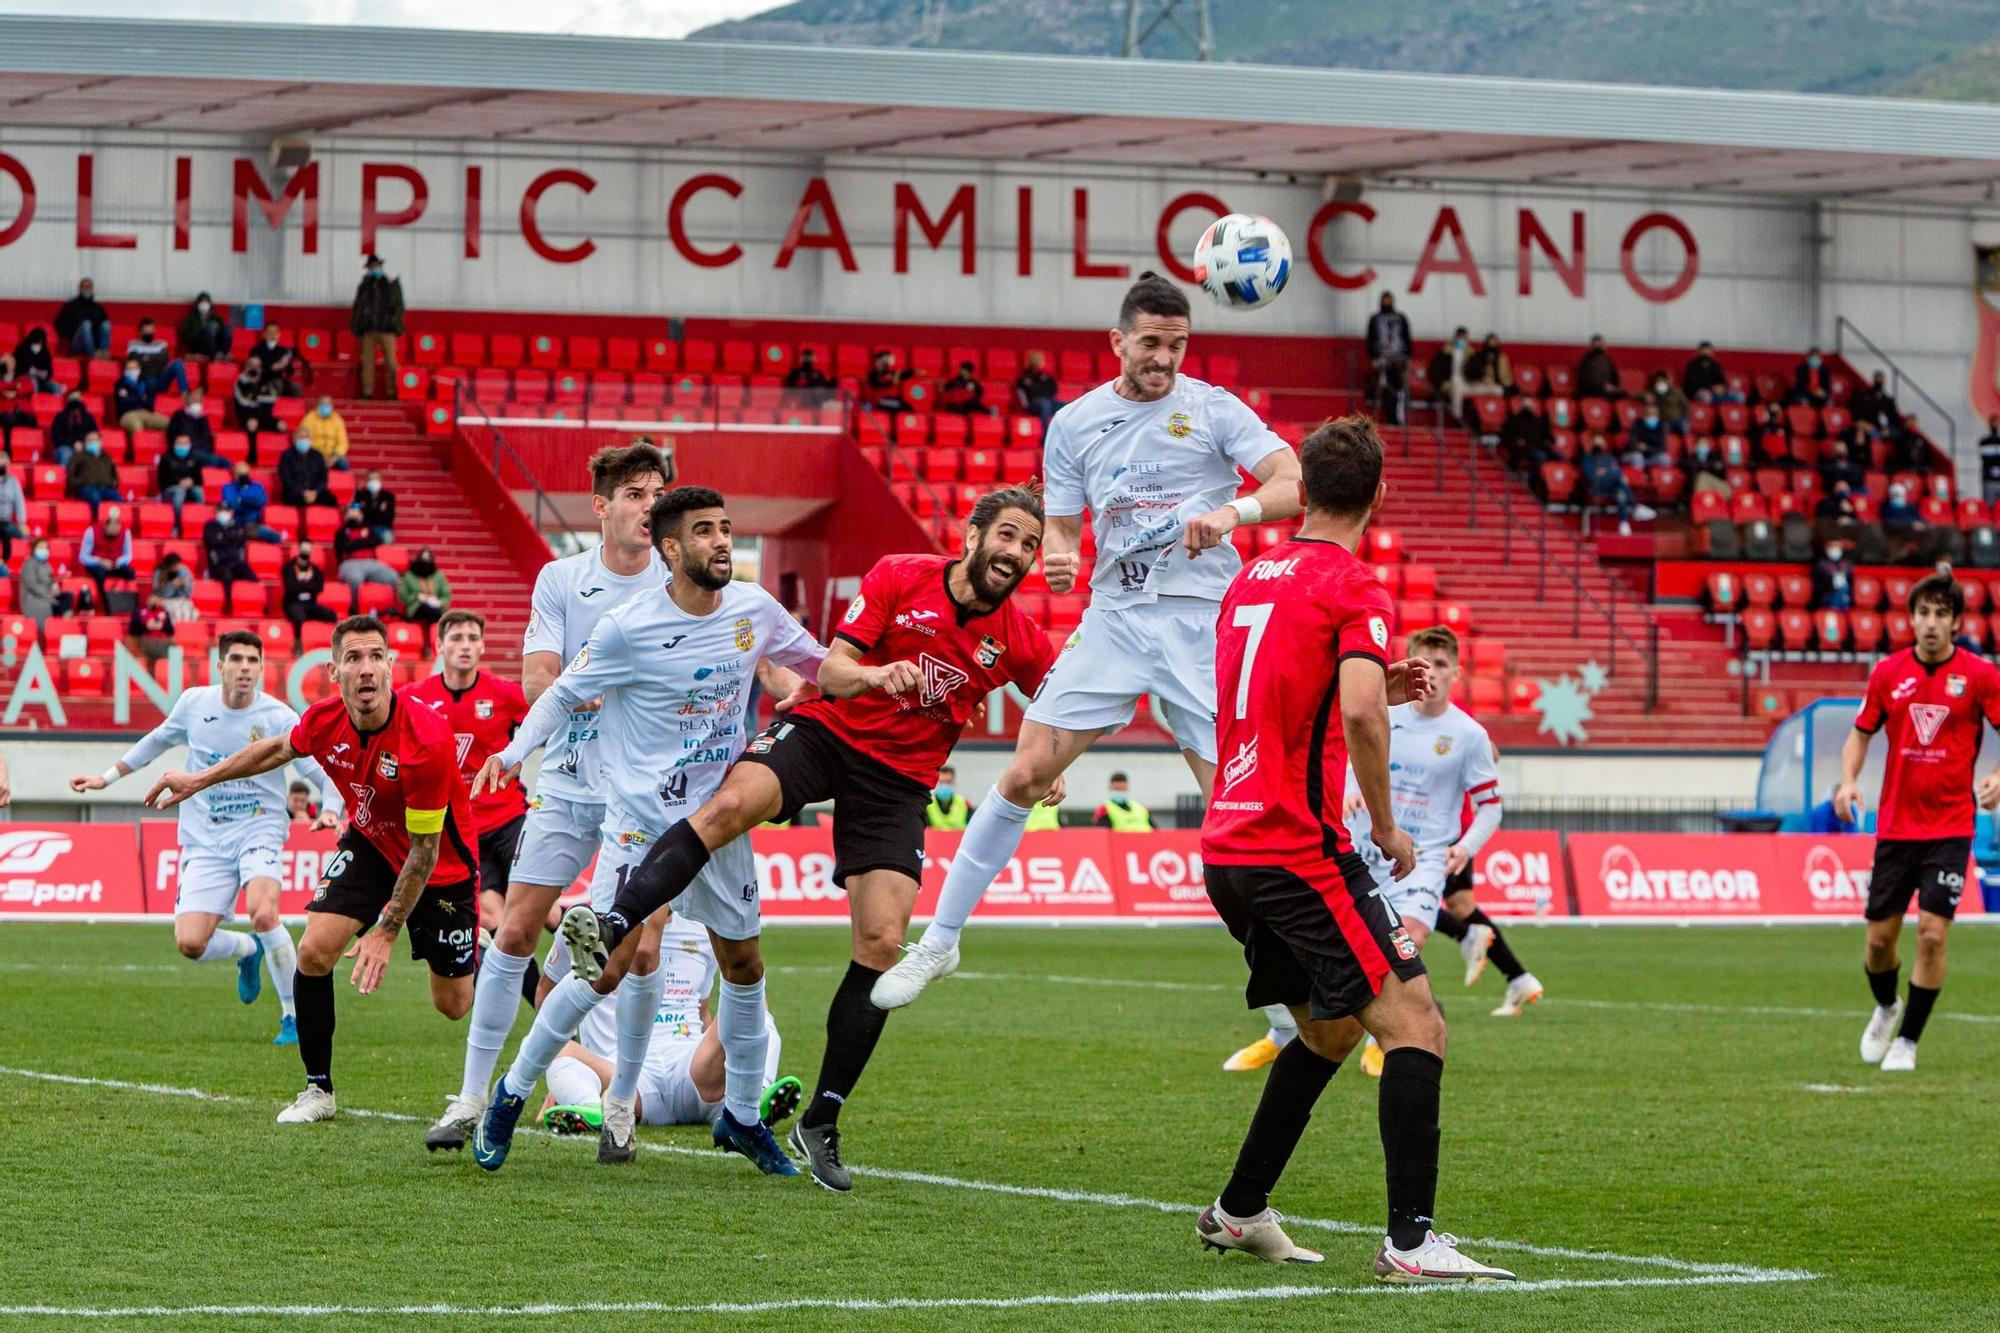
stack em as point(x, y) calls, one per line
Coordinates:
point(855, 609)
point(746, 635)
point(482, 709)
point(1954, 686)
point(387, 767)
point(1443, 746)
point(257, 732)
point(1406, 948)
point(1180, 425)
point(534, 623)
point(990, 649)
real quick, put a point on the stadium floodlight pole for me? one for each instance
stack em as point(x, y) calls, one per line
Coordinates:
point(1202, 35)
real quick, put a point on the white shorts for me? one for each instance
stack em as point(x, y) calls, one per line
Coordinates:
point(557, 842)
point(666, 1090)
point(1166, 649)
point(723, 896)
point(1415, 898)
point(210, 879)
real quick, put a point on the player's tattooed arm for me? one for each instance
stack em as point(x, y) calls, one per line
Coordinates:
point(257, 757)
point(371, 954)
point(843, 674)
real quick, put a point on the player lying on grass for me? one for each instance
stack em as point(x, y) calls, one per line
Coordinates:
point(682, 1082)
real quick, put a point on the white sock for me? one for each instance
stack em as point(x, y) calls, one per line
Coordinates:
point(773, 1056)
point(1283, 1026)
point(555, 964)
point(561, 1014)
point(638, 1005)
point(496, 998)
point(281, 960)
point(574, 1083)
point(990, 840)
point(739, 1017)
point(227, 944)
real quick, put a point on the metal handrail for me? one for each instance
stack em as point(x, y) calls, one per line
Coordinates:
point(462, 400)
point(1842, 326)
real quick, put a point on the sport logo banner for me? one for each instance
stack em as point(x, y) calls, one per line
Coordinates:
point(69, 869)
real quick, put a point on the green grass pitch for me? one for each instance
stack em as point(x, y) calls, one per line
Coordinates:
point(1681, 1136)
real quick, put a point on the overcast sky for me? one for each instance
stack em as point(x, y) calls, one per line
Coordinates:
point(626, 18)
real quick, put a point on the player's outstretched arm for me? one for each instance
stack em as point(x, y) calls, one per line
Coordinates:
point(254, 758)
point(172, 731)
point(1364, 721)
point(1275, 500)
point(371, 961)
point(784, 685)
point(843, 674)
point(1062, 539)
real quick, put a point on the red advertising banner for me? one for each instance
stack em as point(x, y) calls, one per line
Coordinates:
point(1725, 875)
point(1521, 875)
point(1828, 875)
point(69, 869)
point(299, 866)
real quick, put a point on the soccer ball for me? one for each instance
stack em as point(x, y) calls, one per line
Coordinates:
point(1242, 260)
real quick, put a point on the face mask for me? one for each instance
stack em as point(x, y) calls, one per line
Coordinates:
point(201, 307)
point(41, 553)
point(181, 451)
point(1562, 416)
point(374, 488)
point(945, 794)
point(1661, 387)
point(1813, 361)
point(1701, 451)
point(195, 409)
point(300, 446)
point(1833, 553)
point(305, 558)
point(131, 377)
point(225, 516)
point(326, 409)
point(374, 272)
point(243, 481)
point(1458, 343)
point(1652, 419)
point(92, 447)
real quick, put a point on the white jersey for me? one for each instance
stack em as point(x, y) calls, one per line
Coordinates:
point(571, 595)
point(1143, 470)
point(219, 818)
point(688, 964)
point(1435, 763)
point(676, 692)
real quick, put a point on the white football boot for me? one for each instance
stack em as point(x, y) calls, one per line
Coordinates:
point(1260, 1236)
point(919, 966)
point(1881, 1030)
point(314, 1104)
point(1902, 1057)
point(1473, 950)
point(1436, 1260)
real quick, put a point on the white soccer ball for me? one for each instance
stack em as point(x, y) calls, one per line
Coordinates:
point(1243, 260)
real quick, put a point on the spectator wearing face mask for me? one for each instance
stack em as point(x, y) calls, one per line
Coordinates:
point(73, 424)
point(806, 374)
point(1597, 373)
point(1839, 469)
point(13, 511)
point(377, 321)
point(948, 809)
point(354, 551)
point(1604, 482)
point(152, 626)
point(304, 582)
point(256, 404)
point(190, 422)
point(1703, 374)
point(1811, 382)
point(327, 430)
point(1120, 813)
point(91, 475)
point(963, 393)
point(223, 540)
point(1525, 439)
point(132, 401)
point(279, 362)
point(1388, 340)
point(1989, 460)
point(157, 364)
point(33, 360)
point(302, 474)
point(1771, 438)
point(173, 584)
point(1833, 580)
point(1705, 468)
point(378, 508)
point(83, 325)
point(1035, 390)
point(179, 474)
point(424, 592)
point(1834, 516)
point(1646, 443)
point(246, 498)
point(1489, 371)
point(1673, 404)
point(1447, 371)
point(106, 552)
point(40, 595)
point(203, 335)
point(882, 387)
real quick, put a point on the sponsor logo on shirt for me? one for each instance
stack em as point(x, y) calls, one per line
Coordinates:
point(634, 838)
point(940, 679)
point(1241, 764)
point(733, 664)
point(534, 623)
point(1905, 687)
point(907, 621)
point(746, 635)
point(1180, 425)
point(673, 643)
point(589, 593)
point(990, 650)
point(1927, 719)
point(674, 788)
point(333, 756)
point(923, 615)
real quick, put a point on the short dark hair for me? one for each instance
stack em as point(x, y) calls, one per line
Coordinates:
point(239, 638)
point(299, 785)
point(451, 620)
point(664, 519)
point(991, 505)
point(1342, 465)
point(947, 768)
point(613, 466)
point(1118, 777)
point(1153, 295)
point(1941, 590)
point(358, 625)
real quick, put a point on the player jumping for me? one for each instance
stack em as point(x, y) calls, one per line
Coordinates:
point(1931, 697)
point(559, 835)
point(1302, 665)
point(674, 669)
point(231, 837)
point(925, 641)
point(404, 860)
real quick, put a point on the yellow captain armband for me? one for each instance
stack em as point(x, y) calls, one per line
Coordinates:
point(424, 821)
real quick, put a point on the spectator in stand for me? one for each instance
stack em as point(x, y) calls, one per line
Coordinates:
point(354, 555)
point(1526, 439)
point(1771, 438)
point(1833, 580)
point(153, 627)
point(302, 474)
point(882, 389)
point(132, 401)
point(1706, 470)
point(964, 394)
point(246, 498)
point(256, 404)
point(1488, 371)
point(1875, 405)
point(304, 582)
point(1811, 382)
point(1703, 374)
point(1989, 461)
point(40, 597)
point(327, 430)
point(13, 510)
point(1646, 442)
point(1912, 452)
point(173, 584)
point(1835, 516)
point(179, 474)
point(424, 592)
point(222, 540)
point(377, 320)
point(17, 395)
point(203, 336)
point(106, 552)
point(1447, 371)
point(1673, 404)
point(1839, 470)
point(82, 325)
point(279, 361)
point(1597, 373)
point(1388, 358)
point(156, 360)
point(91, 475)
point(1035, 390)
point(32, 359)
point(1604, 482)
point(1902, 522)
point(71, 427)
point(806, 374)
point(190, 422)
point(1120, 813)
point(378, 507)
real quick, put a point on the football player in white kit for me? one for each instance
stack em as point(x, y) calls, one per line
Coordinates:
point(674, 669)
point(571, 595)
point(1155, 456)
point(231, 835)
point(682, 1082)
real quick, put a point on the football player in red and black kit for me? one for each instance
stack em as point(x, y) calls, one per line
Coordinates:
point(922, 645)
point(1304, 686)
point(406, 859)
point(1931, 699)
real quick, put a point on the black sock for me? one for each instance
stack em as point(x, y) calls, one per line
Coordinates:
point(1883, 984)
point(1919, 1011)
point(1498, 950)
point(1450, 927)
point(531, 981)
point(1407, 1109)
point(1297, 1078)
point(670, 866)
point(313, 998)
point(853, 1026)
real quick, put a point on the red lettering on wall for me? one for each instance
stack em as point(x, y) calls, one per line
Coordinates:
point(304, 184)
point(1316, 256)
point(1428, 262)
point(1024, 231)
point(87, 235)
point(818, 198)
point(531, 231)
point(11, 167)
point(475, 180)
point(1163, 241)
point(373, 216)
point(1081, 263)
point(959, 213)
point(183, 197)
point(1690, 260)
point(677, 221)
point(1532, 236)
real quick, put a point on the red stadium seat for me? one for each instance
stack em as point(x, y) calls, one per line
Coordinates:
point(1866, 629)
point(1830, 630)
point(1668, 484)
point(1748, 507)
point(506, 350)
point(85, 678)
point(1454, 616)
point(1971, 513)
point(621, 354)
point(1901, 633)
point(427, 349)
point(1701, 418)
point(1486, 694)
point(1596, 413)
point(1709, 507)
point(1725, 591)
point(1867, 592)
point(1385, 545)
point(1938, 513)
point(1391, 577)
point(1019, 464)
point(1760, 589)
point(1528, 379)
point(1795, 629)
point(662, 355)
point(1802, 419)
point(1559, 481)
point(586, 352)
point(1491, 410)
point(1835, 421)
point(1976, 592)
point(1522, 691)
point(1420, 581)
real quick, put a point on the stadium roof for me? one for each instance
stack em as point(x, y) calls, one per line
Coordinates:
point(260, 81)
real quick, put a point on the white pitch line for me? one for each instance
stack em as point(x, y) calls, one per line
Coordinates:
point(1834, 1087)
point(1711, 1270)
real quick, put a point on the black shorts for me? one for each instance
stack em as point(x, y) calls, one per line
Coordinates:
point(443, 929)
point(878, 813)
point(1459, 881)
point(1316, 936)
point(1931, 868)
point(496, 854)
